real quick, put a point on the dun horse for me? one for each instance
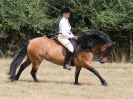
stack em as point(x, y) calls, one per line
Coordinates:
point(41, 48)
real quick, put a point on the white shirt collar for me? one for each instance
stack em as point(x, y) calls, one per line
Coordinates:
point(65, 19)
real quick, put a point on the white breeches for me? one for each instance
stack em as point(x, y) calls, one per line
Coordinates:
point(64, 41)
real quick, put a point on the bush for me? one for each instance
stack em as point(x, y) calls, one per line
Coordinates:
point(24, 19)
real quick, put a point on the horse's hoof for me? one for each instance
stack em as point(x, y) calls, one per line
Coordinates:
point(105, 83)
point(11, 78)
point(14, 78)
point(36, 81)
point(75, 83)
point(8, 73)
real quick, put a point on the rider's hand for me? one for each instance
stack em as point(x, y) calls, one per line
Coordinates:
point(75, 37)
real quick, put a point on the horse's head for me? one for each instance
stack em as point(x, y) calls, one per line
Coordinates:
point(97, 42)
point(105, 53)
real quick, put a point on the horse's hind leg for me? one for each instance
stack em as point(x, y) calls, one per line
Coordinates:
point(35, 67)
point(22, 67)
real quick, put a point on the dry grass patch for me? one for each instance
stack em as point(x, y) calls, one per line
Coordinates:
point(57, 83)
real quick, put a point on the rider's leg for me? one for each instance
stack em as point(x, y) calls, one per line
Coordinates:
point(67, 60)
point(68, 56)
point(69, 46)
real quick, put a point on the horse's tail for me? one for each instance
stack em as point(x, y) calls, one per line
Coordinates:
point(18, 59)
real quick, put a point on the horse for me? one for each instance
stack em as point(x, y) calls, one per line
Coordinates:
point(41, 48)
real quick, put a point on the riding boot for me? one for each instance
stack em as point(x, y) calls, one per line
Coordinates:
point(67, 60)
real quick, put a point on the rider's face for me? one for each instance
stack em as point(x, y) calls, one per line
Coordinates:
point(66, 15)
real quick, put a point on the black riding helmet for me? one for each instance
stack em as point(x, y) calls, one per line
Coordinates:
point(66, 10)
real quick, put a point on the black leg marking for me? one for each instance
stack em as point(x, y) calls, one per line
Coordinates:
point(33, 74)
point(22, 67)
point(19, 72)
point(93, 70)
point(77, 72)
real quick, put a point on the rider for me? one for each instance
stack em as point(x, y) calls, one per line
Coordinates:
point(65, 35)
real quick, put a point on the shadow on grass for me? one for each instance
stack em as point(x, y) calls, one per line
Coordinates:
point(52, 82)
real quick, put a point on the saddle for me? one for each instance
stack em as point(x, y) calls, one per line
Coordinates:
point(74, 43)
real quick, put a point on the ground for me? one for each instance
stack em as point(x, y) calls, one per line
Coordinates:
point(57, 83)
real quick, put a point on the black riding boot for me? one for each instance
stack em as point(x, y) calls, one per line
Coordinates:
point(67, 60)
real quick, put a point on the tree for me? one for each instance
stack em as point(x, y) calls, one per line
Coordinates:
point(24, 19)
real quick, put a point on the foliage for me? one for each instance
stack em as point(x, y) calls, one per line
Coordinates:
point(24, 19)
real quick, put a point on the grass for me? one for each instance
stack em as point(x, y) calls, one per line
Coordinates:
point(57, 83)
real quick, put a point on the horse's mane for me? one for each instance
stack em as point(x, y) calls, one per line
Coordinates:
point(87, 40)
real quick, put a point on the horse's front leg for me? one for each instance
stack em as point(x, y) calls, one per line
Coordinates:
point(77, 72)
point(94, 71)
